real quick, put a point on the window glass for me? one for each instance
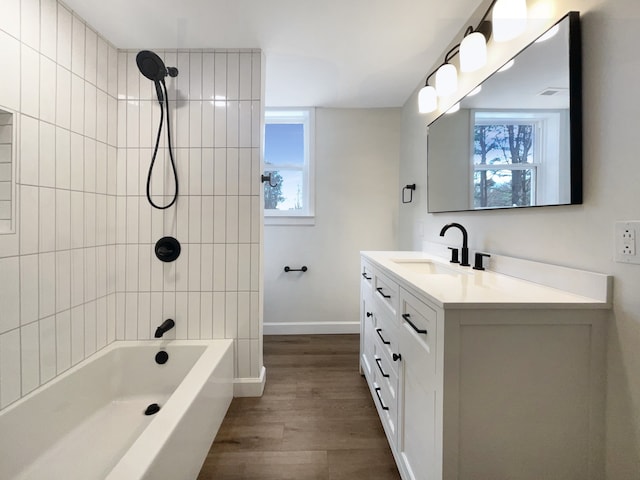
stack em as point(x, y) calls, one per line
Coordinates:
point(288, 160)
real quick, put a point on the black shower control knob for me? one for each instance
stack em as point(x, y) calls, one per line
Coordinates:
point(167, 249)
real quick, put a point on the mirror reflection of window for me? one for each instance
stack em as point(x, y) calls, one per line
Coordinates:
point(6, 171)
point(517, 142)
point(514, 153)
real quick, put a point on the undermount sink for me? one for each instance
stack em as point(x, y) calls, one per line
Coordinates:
point(425, 267)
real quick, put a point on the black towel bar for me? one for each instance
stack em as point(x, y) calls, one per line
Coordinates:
point(289, 269)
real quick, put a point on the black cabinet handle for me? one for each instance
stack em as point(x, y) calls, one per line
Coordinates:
point(396, 357)
point(379, 362)
point(378, 330)
point(407, 319)
point(364, 274)
point(380, 399)
point(369, 314)
point(379, 289)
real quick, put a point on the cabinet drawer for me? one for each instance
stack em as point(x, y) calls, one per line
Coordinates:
point(419, 333)
point(387, 408)
point(366, 274)
point(386, 375)
point(386, 340)
point(368, 342)
point(386, 293)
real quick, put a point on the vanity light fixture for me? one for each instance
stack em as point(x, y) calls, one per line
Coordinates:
point(511, 18)
point(427, 98)
point(473, 52)
point(473, 48)
point(446, 80)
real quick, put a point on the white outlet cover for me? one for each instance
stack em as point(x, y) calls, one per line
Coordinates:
point(625, 238)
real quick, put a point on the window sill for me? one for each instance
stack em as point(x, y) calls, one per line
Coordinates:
point(289, 220)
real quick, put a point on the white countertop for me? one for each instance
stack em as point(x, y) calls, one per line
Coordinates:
point(462, 287)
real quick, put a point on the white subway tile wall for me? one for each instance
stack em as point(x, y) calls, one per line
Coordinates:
point(52, 313)
point(212, 289)
point(6, 170)
point(80, 272)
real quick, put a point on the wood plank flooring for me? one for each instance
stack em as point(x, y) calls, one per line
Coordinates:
point(315, 421)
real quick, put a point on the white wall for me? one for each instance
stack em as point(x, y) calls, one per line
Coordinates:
point(57, 272)
point(212, 289)
point(357, 199)
point(576, 236)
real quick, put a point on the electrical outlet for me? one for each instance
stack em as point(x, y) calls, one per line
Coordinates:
point(625, 241)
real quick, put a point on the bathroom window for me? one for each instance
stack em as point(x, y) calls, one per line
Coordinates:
point(7, 171)
point(510, 153)
point(288, 158)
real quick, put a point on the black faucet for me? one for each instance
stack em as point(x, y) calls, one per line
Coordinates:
point(465, 248)
point(167, 325)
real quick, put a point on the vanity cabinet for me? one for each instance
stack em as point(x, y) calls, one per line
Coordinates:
point(507, 389)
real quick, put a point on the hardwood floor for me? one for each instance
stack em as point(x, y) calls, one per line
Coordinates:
point(316, 419)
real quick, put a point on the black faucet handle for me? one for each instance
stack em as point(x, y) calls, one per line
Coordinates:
point(478, 260)
point(454, 255)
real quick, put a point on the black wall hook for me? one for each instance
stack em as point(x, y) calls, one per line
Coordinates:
point(411, 189)
point(267, 178)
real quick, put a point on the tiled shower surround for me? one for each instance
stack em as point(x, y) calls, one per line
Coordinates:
point(80, 272)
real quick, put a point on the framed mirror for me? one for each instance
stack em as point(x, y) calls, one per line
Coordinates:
point(516, 140)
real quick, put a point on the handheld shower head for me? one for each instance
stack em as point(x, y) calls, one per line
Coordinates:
point(151, 65)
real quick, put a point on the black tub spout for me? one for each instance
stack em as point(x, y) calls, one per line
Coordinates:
point(167, 325)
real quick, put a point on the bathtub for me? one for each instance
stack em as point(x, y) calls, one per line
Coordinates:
point(89, 422)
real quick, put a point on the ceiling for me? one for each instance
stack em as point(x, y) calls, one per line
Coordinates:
point(331, 53)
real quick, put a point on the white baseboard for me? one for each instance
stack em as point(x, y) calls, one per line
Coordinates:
point(250, 386)
point(310, 328)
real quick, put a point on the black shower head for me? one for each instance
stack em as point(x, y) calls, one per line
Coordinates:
point(151, 65)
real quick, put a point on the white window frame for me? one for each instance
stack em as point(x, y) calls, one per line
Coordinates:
point(306, 216)
point(513, 118)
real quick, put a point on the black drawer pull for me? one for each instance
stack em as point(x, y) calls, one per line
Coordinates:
point(380, 399)
point(369, 314)
point(379, 362)
point(407, 318)
point(396, 357)
point(380, 292)
point(378, 330)
point(364, 274)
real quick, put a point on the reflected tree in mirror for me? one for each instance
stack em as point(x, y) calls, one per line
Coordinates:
point(509, 148)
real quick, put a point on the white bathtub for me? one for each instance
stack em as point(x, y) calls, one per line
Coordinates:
point(89, 423)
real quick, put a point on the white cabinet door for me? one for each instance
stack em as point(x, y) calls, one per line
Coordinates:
point(417, 443)
point(367, 333)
